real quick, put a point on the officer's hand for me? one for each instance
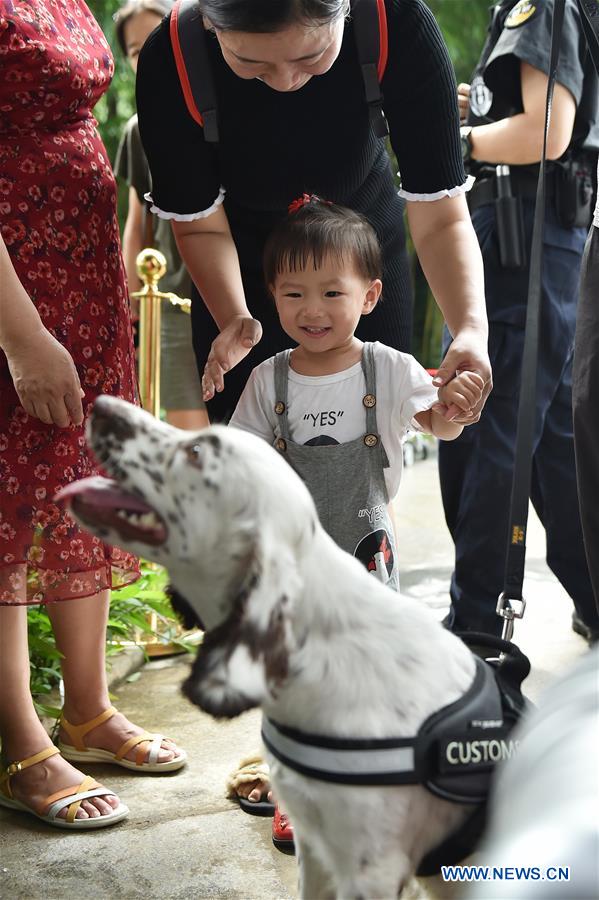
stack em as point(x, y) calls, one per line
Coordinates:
point(463, 100)
point(231, 346)
point(467, 353)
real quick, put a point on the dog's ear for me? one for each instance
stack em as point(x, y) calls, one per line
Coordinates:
point(185, 612)
point(245, 661)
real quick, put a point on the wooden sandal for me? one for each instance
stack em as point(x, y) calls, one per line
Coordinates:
point(146, 759)
point(70, 797)
point(251, 768)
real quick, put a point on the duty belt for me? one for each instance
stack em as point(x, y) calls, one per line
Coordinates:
point(484, 189)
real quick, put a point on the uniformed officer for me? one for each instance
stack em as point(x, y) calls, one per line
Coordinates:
point(504, 109)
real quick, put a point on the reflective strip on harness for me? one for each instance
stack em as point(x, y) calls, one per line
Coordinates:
point(348, 763)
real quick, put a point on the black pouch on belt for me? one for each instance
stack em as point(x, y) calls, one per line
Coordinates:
point(573, 193)
point(510, 225)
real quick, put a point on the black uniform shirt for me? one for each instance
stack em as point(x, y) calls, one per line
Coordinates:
point(521, 32)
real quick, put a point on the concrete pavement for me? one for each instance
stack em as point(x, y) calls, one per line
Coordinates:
point(184, 839)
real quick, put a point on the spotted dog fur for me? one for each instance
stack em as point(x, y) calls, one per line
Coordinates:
point(296, 625)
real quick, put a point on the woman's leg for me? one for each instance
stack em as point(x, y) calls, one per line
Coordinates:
point(21, 731)
point(188, 419)
point(80, 631)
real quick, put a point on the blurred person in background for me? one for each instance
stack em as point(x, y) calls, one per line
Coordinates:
point(180, 386)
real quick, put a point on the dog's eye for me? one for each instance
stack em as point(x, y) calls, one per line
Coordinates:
point(195, 455)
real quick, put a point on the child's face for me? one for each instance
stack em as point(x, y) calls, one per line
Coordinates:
point(136, 30)
point(320, 308)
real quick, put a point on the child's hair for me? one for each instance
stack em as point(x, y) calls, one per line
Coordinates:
point(315, 230)
point(131, 8)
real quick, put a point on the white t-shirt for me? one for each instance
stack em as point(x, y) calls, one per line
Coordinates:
point(596, 216)
point(328, 409)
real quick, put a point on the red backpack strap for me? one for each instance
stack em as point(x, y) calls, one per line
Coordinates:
point(383, 39)
point(188, 40)
point(370, 33)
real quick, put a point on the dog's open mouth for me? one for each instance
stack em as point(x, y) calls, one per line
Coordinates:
point(100, 502)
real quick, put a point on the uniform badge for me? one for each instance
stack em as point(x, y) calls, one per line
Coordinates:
point(481, 98)
point(521, 13)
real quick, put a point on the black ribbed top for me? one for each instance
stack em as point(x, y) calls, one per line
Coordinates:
point(274, 146)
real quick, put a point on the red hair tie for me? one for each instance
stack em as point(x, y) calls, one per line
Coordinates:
point(305, 200)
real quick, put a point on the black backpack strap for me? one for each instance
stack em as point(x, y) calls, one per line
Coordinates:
point(188, 39)
point(370, 32)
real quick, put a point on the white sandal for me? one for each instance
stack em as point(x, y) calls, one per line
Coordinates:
point(70, 797)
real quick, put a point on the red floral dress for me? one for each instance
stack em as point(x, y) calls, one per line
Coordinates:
point(58, 220)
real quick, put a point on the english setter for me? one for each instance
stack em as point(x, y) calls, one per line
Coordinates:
point(293, 624)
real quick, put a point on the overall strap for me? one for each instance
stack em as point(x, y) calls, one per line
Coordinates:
point(370, 34)
point(188, 39)
point(369, 399)
point(282, 390)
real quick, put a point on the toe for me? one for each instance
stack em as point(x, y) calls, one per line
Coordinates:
point(90, 809)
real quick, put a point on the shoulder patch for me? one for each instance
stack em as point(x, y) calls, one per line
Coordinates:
point(522, 12)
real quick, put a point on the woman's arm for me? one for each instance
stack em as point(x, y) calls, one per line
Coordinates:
point(209, 253)
point(42, 370)
point(450, 256)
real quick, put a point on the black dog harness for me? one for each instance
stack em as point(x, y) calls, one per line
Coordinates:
point(453, 754)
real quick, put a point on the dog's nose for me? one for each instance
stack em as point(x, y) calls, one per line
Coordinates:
point(108, 419)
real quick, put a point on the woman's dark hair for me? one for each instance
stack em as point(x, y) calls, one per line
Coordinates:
point(264, 16)
point(132, 8)
point(319, 230)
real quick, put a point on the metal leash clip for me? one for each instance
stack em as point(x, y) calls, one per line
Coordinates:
point(509, 612)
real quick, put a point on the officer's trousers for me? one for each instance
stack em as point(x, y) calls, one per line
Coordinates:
point(585, 398)
point(476, 469)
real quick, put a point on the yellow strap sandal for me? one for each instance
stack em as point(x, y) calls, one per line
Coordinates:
point(146, 759)
point(70, 797)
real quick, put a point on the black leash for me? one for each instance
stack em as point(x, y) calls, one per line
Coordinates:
point(511, 603)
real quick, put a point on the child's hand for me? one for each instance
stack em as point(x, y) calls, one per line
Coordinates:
point(460, 395)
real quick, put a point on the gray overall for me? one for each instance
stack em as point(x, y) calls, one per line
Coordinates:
point(346, 480)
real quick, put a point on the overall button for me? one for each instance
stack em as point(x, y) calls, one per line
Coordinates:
point(371, 440)
point(279, 407)
point(369, 401)
point(281, 444)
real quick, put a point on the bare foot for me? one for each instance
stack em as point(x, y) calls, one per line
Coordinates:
point(112, 734)
point(254, 791)
point(31, 786)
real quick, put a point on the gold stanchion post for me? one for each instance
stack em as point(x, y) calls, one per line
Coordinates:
point(151, 267)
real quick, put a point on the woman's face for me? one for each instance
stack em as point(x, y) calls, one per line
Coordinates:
point(136, 30)
point(284, 60)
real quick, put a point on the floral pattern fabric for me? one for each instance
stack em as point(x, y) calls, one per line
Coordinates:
point(58, 220)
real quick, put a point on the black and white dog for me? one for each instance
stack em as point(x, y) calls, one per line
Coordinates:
point(346, 672)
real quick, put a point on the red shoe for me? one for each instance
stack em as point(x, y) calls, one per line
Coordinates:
point(282, 832)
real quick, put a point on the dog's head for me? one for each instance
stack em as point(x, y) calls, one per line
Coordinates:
point(227, 517)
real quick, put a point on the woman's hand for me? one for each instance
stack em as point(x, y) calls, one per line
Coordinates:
point(231, 346)
point(466, 353)
point(46, 380)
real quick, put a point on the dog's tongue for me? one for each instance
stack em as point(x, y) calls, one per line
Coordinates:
point(101, 492)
